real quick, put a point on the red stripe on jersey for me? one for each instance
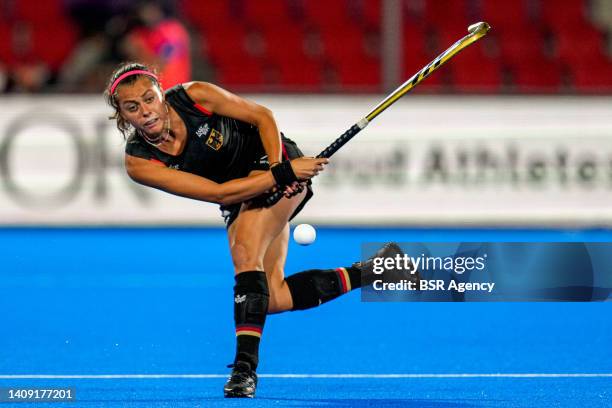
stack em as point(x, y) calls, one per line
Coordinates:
point(202, 109)
point(157, 161)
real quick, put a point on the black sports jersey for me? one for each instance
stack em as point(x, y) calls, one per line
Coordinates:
point(217, 147)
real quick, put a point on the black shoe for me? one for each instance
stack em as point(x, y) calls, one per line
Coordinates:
point(242, 382)
point(389, 250)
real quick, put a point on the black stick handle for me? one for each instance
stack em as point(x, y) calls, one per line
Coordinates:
point(328, 152)
point(339, 142)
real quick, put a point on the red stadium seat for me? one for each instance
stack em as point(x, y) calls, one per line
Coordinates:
point(267, 13)
point(522, 42)
point(563, 14)
point(54, 43)
point(326, 13)
point(371, 11)
point(222, 46)
point(247, 74)
point(5, 43)
point(46, 12)
point(579, 45)
point(210, 14)
point(414, 39)
point(540, 76)
point(594, 76)
point(343, 43)
point(359, 74)
point(255, 43)
point(285, 48)
point(300, 75)
point(445, 14)
point(51, 44)
point(471, 73)
point(284, 42)
point(504, 14)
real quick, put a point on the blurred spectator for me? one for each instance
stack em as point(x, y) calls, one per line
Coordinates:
point(36, 37)
point(161, 41)
point(101, 23)
point(3, 78)
point(602, 14)
point(29, 73)
point(92, 16)
point(80, 73)
point(601, 11)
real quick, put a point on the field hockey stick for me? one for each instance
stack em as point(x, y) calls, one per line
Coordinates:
point(476, 32)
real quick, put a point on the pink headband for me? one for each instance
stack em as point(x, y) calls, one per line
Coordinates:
point(130, 73)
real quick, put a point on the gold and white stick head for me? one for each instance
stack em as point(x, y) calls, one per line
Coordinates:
point(479, 28)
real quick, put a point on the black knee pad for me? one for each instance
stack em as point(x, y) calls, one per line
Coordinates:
point(251, 298)
point(314, 287)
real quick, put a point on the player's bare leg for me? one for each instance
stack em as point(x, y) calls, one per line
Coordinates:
point(250, 236)
point(274, 264)
point(316, 286)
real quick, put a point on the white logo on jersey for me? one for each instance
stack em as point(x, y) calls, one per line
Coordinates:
point(202, 130)
point(240, 299)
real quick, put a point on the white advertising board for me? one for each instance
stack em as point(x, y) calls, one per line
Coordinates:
point(425, 161)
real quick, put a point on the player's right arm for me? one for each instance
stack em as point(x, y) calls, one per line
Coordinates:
point(189, 185)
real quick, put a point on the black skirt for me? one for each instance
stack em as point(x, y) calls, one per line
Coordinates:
point(290, 151)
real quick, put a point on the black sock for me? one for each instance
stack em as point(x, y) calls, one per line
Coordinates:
point(251, 299)
point(317, 286)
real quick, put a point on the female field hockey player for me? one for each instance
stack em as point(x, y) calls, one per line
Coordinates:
point(199, 141)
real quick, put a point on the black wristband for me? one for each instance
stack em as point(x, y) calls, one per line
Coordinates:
point(283, 174)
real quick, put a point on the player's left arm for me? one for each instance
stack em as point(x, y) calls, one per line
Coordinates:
point(222, 102)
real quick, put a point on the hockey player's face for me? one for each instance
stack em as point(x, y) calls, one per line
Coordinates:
point(142, 105)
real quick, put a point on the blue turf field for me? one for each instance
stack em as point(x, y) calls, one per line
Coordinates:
point(154, 301)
